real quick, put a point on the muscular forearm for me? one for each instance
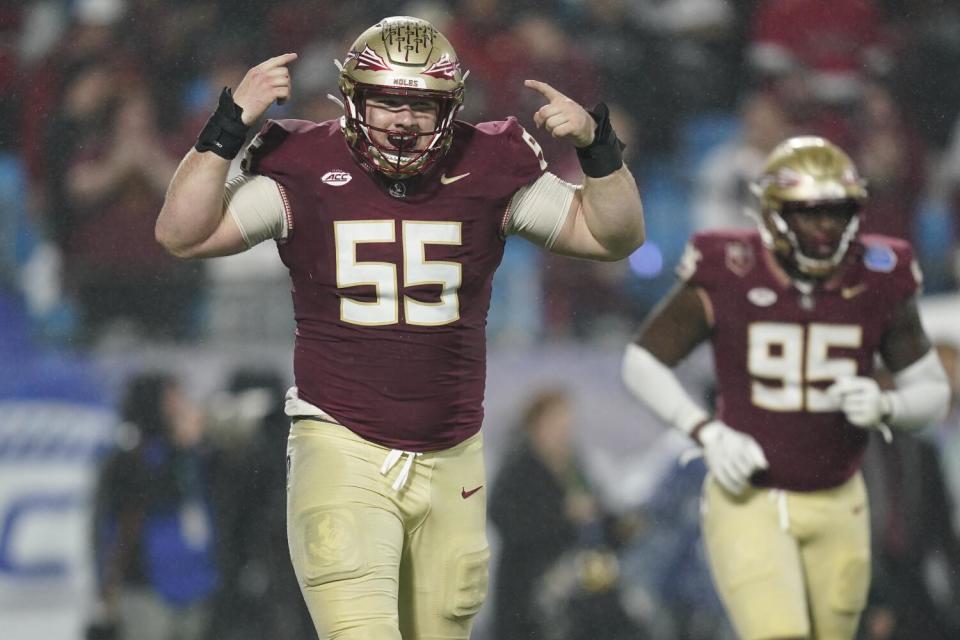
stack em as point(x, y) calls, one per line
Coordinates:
point(613, 212)
point(160, 172)
point(193, 206)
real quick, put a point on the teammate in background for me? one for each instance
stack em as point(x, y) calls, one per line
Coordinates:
point(796, 312)
point(391, 221)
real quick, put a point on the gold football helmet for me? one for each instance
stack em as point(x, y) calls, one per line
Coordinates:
point(400, 56)
point(808, 174)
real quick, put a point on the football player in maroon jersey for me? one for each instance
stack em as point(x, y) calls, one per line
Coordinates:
point(796, 311)
point(391, 221)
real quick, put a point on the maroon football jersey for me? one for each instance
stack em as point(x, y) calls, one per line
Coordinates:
point(778, 348)
point(391, 279)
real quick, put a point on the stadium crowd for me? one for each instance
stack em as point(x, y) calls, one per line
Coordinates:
point(101, 96)
point(98, 99)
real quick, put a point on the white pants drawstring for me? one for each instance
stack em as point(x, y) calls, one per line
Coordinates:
point(784, 514)
point(391, 460)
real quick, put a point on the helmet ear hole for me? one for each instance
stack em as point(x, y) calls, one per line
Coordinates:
point(406, 57)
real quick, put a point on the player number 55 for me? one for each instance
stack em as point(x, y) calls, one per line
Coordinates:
point(417, 271)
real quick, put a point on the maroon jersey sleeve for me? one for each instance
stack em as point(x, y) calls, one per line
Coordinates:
point(891, 263)
point(272, 136)
point(713, 256)
point(517, 149)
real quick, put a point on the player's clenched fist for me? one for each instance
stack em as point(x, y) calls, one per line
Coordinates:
point(861, 400)
point(561, 116)
point(264, 83)
point(731, 456)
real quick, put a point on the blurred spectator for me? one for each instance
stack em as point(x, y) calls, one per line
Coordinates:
point(634, 69)
point(163, 37)
point(837, 42)
point(948, 432)
point(556, 576)
point(817, 57)
point(925, 68)
point(116, 176)
point(916, 552)
point(155, 541)
point(10, 22)
point(702, 49)
point(261, 596)
point(722, 187)
point(480, 30)
point(892, 159)
point(90, 34)
point(950, 184)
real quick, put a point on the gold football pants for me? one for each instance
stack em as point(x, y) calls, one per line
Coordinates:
point(377, 562)
point(790, 564)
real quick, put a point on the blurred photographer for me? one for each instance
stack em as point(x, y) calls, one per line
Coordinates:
point(154, 526)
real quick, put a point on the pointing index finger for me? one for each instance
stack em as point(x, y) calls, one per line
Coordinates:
point(543, 89)
point(279, 61)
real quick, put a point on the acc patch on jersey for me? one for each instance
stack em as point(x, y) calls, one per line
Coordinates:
point(879, 257)
point(336, 178)
point(762, 296)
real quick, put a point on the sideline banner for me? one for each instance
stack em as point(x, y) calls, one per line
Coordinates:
point(49, 449)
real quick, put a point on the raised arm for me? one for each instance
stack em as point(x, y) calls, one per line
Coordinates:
point(605, 220)
point(192, 223)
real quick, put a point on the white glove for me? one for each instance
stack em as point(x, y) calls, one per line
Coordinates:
point(731, 456)
point(861, 400)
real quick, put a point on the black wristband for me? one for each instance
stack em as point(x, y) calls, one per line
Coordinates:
point(604, 155)
point(224, 133)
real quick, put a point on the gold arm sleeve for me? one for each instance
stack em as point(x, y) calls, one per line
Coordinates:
point(537, 212)
point(257, 206)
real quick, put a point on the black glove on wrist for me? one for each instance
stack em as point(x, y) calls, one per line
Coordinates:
point(224, 133)
point(604, 155)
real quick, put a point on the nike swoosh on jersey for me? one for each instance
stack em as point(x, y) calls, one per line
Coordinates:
point(852, 292)
point(466, 494)
point(445, 180)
